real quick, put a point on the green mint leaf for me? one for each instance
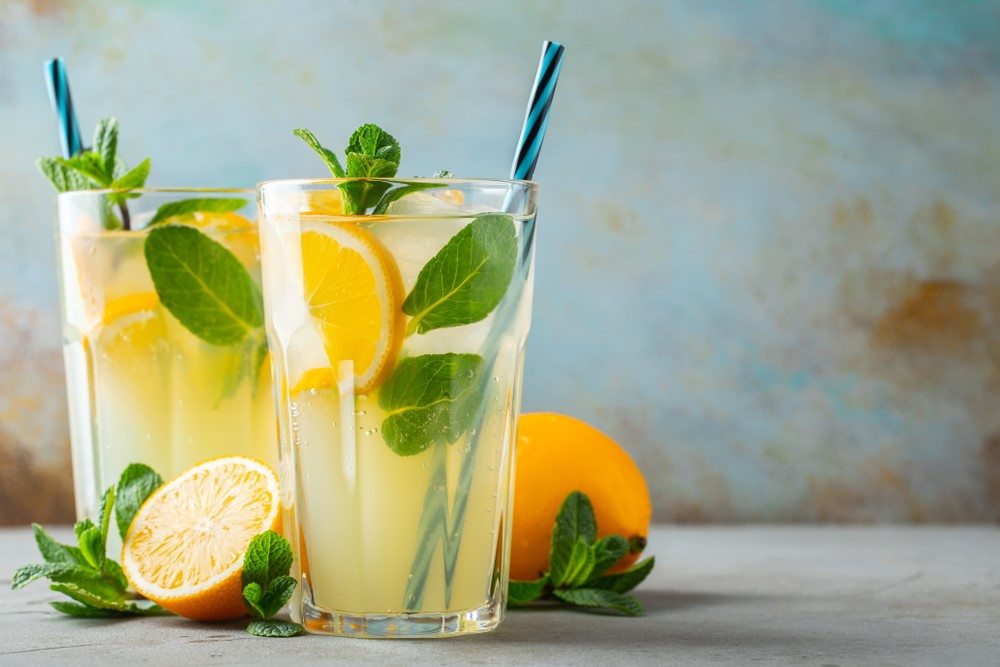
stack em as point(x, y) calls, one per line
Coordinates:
point(467, 278)
point(268, 557)
point(113, 571)
point(82, 526)
point(136, 484)
point(134, 178)
point(522, 592)
point(396, 193)
point(372, 141)
point(627, 580)
point(92, 546)
point(371, 153)
point(608, 551)
point(90, 596)
point(429, 398)
point(578, 567)
point(252, 595)
point(197, 205)
point(328, 156)
point(279, 592)
point(56, 552)
point(203, 285)
point(63, 178)
point(106, 143)
point(104, 518)
point(25, 575)
point(595, 597)
point(274, 629)
point(443, 173)
point(574, 522)
point(81, 610)
point(90, 165)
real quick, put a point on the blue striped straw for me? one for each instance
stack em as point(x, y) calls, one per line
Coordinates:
point(62, 104)
point(536, 116)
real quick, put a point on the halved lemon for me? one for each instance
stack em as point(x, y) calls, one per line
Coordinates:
point(184, 549)
point(355, 295)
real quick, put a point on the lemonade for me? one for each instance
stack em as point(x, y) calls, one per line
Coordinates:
point(143, 386)
point(398, 342)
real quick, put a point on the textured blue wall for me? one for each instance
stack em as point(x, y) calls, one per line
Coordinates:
point(769, 256)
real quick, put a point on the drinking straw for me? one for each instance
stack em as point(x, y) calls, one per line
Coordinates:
point(536, 116)
point(62, 103)
point(435, 517)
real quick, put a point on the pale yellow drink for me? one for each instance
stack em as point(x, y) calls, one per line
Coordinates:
point(142, 388)
point(370, 562)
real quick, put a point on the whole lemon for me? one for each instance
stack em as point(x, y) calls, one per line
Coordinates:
point(557, 455)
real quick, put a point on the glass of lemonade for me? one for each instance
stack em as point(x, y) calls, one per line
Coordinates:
point(161, 371)
point(397, 345)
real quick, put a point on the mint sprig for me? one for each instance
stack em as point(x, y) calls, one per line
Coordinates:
point(99, 167)
point(578, 563)
point(84, 573)
point(266, 584)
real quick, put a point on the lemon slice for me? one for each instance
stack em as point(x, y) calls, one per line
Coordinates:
point(354, 294)
point(184, 549)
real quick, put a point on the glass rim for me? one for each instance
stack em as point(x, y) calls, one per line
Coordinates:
point(159, 190)
point(299, 182)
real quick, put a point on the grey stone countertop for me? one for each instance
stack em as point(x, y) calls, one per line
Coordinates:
point(770, 594)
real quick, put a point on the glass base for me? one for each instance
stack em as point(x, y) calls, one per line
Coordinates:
point(402, 626)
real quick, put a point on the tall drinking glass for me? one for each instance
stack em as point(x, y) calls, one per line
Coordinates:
point(397, 341)
point(154, 375)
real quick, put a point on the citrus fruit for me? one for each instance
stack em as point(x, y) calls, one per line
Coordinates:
point(130, 326)
point(557, 455)
point(354, 293)
point(184, 549)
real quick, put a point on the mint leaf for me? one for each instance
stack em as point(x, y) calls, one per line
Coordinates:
point(608, 551)
point(53, 551)
point(274, 629)
point(396, 193)
point(81, 610)
point(593, 597)
point(63, 178)
point(328, 156)
point(203, 285)
point(92, 546)
point(134, 178)
point(278, 593)
point(627, 580)
point(90, 165)
point(429, 398)
point(252, 595)
point(371, 153)
point(467, 278)
point(574, 523)
point(89, 596)
point(113, 571)
point(25, 575)
point(106, 144)
point(578, 566)
point(136, 484)
point(443, 173)
point(371, 141)
point(268, 557)
point(197, 205)
point(104, 518)
point(81, 526)
point(523, 592)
